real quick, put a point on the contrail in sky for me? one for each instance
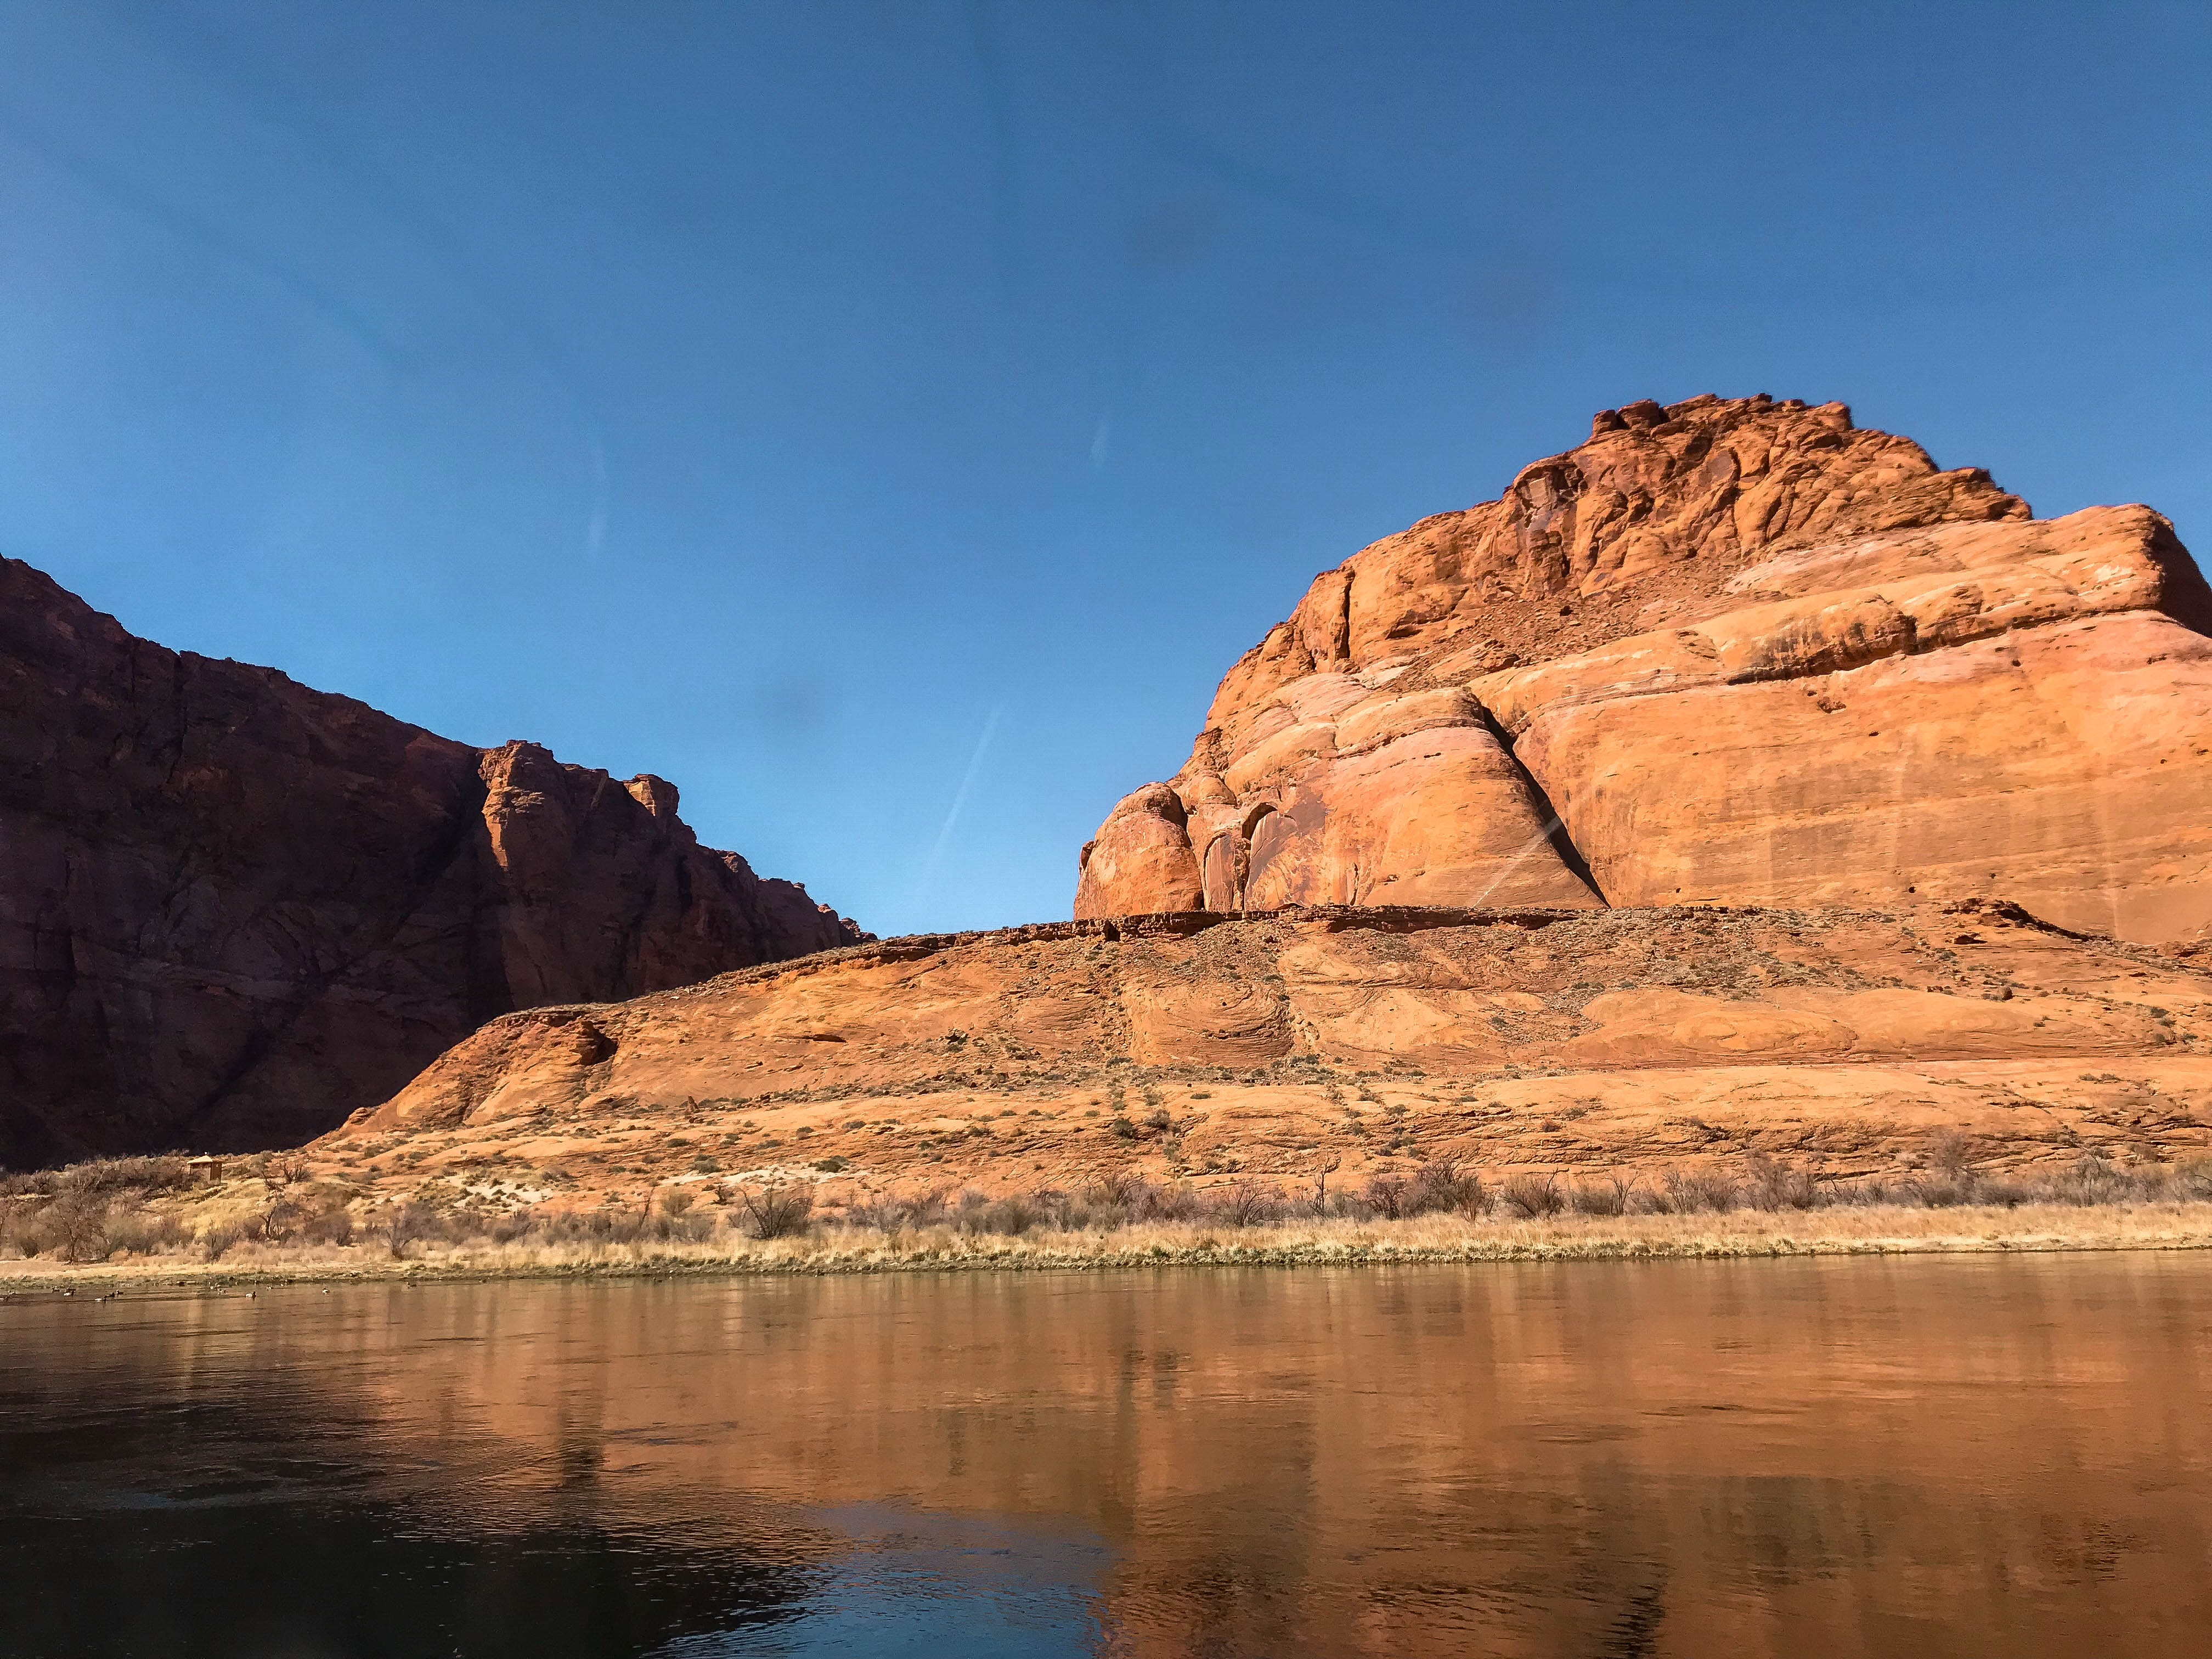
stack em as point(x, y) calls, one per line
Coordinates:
point(959, 800)
point(595, 532)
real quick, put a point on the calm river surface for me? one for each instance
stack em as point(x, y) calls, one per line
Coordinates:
point(1971, 1456)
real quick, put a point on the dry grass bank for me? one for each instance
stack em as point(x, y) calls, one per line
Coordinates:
point(1852, 1230)
point(150, 1220)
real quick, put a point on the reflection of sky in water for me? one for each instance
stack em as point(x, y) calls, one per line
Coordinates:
point(927, 1584)
point(233, 1544)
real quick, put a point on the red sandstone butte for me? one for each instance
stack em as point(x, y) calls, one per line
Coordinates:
point(1728, 652)
point(232, 910)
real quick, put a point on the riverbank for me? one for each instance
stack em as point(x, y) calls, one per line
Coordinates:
point(1853, 1231)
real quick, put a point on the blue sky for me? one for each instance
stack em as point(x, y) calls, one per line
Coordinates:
point(855, 412)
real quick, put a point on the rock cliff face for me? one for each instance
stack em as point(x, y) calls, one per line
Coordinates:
point(232, 910)
point(1724, 652)
point(1337, 1043)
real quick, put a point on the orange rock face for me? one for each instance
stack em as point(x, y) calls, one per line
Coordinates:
point(1726, 652)
point(233, 909)
point(1333, 1044)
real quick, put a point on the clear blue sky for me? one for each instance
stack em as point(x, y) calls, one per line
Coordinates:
point(780, 397)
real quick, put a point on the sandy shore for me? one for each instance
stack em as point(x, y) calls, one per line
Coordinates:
point(1840, 1230)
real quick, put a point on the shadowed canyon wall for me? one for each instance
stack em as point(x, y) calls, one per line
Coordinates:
point(1724, 652)
point(233, 909)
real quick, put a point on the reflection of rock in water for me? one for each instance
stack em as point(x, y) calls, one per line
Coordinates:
point(1975, 1457)
point(318, 1575)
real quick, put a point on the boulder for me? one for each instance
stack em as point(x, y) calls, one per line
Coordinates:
point(1141, 862)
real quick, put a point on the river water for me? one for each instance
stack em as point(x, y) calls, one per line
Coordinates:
point(1965, 1456)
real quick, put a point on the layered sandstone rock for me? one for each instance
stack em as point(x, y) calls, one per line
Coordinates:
point(1731, 652)
point(232, 910)
point(1335, 1044)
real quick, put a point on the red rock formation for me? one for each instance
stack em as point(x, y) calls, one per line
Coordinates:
point(1735, 651)
point(1330, 1043)
point(232, 910)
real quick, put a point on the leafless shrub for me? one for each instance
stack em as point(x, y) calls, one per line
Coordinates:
point(1387, 1196)
point(890, 1214)
point(1347, 1207)
point(19, 1230)
point(406, 1223)
point(1770, 1184)
point(24, 1228)
point(1940, 1190)
point(118, 1175)
point(1117, 1198)
point(281, 1222)
point(1530, 1196)
point(76, 1225)
point(1056, 1207)
point(1010, 1217)
point(967, 1214)
point(1118, 1189)
point(140, 1234)
point(216, 1242)
point(1248, 1203)
point(1607, 1195)
point(1441, 1186)
point(675, 1201)
point(688, 1227)
point(1689, 1192)
point(558, 1228)
point(1178, 1201)
point(1950, 1154)
point(607, 1226)
point(1869, 1192)
point(330, 1226)
point(776, 1211)
point(2093, 1179)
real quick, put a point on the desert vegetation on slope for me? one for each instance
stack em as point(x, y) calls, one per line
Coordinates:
point(1336, 1045)
point(274, 1217)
